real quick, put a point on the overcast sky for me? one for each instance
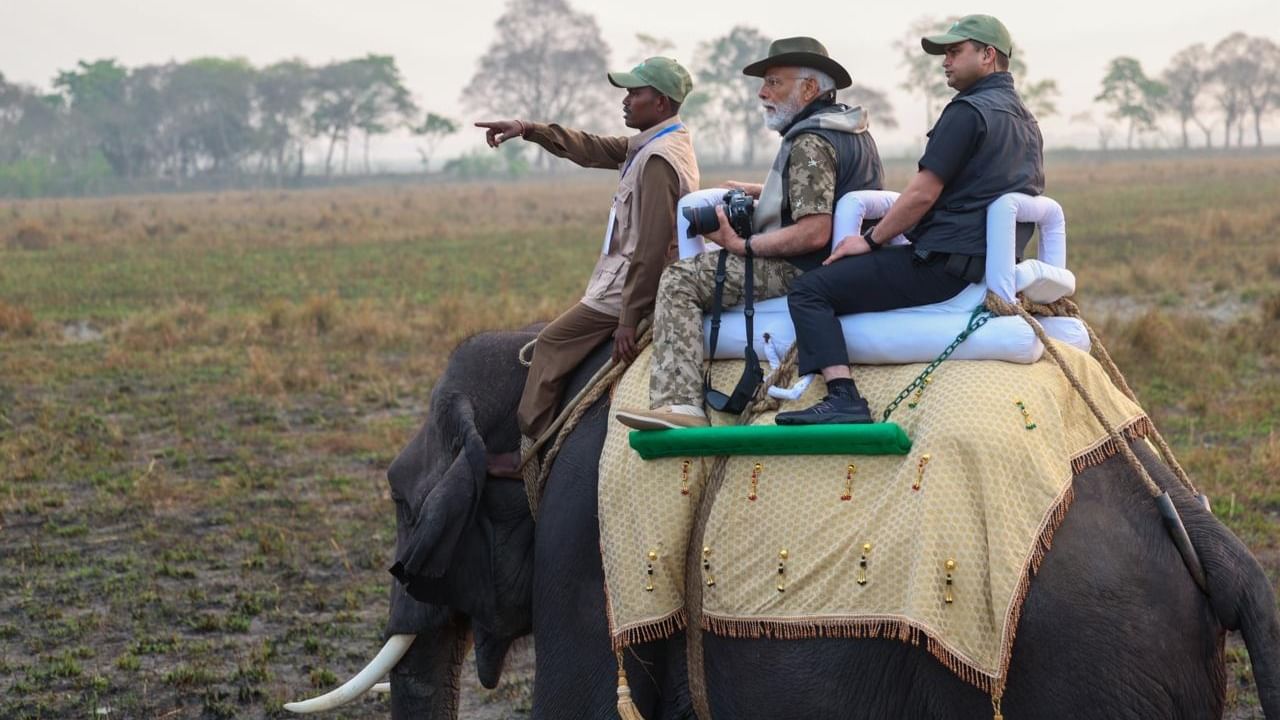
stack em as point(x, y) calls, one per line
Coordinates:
point(438, 43)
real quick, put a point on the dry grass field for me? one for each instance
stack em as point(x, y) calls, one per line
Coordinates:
point(200, 395)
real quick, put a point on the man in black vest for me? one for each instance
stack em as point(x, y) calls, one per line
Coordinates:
point(985, 144)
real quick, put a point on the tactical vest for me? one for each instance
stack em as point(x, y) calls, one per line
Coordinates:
point(1009, 158)
point(858, 167)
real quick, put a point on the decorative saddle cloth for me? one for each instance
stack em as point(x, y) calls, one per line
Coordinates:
point(935, 547)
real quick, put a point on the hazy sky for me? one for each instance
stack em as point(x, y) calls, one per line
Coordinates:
point(437, 43)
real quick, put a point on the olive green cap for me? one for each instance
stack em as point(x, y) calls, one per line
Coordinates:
point(662, 74)
point(983, 28)
point(800, 52)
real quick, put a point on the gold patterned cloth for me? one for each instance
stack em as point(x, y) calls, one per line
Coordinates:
point(813, 547)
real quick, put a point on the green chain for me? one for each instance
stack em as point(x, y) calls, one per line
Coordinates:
point(979, 318)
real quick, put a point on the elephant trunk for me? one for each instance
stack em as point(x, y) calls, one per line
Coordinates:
point(424, 684)
point(1261, 630)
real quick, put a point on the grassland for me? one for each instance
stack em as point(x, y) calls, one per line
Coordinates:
point(199, 396)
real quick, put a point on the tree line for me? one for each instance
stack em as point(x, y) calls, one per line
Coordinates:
point(205, 117)
point(1231, 86)
point(179, 123)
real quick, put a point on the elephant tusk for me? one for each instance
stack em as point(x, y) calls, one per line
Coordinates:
point(381, 688)
point(382, 663)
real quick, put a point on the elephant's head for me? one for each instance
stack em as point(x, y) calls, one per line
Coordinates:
point(464, 540)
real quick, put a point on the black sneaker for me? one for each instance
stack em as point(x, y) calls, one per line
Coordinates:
point(834, 409)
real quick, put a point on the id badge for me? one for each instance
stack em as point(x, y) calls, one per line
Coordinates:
point(608, 233)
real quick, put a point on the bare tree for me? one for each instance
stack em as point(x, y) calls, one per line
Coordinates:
point(874, 101)
point(1262, 82)
point(732, 94)
point(713, 128)
point(1231, 68)
point(1187, 78)
point(924, 71)
point(648, 46)
point(547, 62)
point(1041, 97)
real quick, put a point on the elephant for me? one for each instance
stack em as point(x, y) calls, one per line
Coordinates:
point(1113, 625)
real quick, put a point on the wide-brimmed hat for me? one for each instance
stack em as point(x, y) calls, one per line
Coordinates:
point(662, 74)
point(800, 52)
point(983, 28)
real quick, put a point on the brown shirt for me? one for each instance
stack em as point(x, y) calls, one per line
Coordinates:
point(659, 192)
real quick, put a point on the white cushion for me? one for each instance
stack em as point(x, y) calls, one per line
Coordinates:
point(919, 334)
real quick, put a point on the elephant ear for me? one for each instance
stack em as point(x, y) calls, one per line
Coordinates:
point(450, 505)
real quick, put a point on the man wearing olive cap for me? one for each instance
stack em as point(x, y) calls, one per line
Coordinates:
point(657, 167)
point(985, 144)
point(826, 152)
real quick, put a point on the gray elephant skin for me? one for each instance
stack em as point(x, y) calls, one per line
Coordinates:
point(1113, 626)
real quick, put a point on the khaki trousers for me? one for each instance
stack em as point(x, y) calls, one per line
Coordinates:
point(560, 348)
point(685, 293)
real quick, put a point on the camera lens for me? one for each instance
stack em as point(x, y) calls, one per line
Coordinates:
point(702, 219)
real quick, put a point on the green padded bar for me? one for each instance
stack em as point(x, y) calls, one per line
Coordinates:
point(838, 439)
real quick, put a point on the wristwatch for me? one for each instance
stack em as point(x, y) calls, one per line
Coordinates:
point(871, 243)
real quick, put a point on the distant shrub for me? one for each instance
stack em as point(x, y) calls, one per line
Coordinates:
point(16, 320)
point(320, 313)
point(31, 236)
point(1271, 310)
point(508, 163)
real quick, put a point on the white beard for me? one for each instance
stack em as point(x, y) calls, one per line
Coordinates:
point(783, 113)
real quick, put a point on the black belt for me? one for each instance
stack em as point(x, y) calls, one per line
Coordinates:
point(966, 267)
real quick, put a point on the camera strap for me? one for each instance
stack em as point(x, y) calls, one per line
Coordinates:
point(717, 298)
point(752, 375)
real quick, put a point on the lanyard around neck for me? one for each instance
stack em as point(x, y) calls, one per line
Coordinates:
point(671, 129)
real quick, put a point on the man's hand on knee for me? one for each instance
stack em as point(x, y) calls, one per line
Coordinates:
point(852, 245)
point(624, 344)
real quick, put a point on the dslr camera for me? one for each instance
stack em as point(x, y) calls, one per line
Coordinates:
point(738, 208)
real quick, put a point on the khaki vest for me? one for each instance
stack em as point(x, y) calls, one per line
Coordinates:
point(604, 290)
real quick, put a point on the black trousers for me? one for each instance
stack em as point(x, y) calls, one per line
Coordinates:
point(887, 279)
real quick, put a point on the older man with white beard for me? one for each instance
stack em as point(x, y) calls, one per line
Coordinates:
point(826, 152)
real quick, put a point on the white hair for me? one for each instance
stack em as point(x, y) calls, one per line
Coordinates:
point(825, 82)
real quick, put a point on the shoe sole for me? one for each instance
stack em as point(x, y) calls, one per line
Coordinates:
point(645, 422)
point(832, 419)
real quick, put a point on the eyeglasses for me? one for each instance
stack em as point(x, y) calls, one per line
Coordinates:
point(777, 81)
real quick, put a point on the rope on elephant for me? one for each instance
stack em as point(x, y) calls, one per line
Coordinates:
point(525, 354)
point(761, 402)
point(535, 473)
point(1172, 520)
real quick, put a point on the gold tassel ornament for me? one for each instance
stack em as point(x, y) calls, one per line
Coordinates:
point(862, 564)
point(627, 709)
point(848, 483)
point(755, 482)
point(924, 462)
